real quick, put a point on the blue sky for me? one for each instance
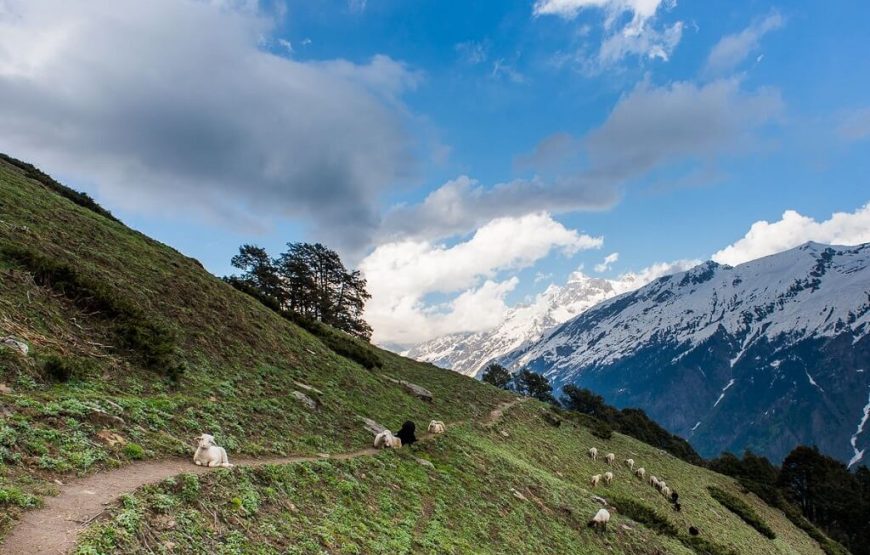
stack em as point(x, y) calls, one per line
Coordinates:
point(663, 131)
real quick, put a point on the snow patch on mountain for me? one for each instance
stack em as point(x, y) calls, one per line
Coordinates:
point(525, 324)
point(811, 291)
point(859, 454)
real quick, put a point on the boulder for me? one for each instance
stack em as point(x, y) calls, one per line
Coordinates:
point(371, 425)
point(99, 416)
point(306, 400)
point(413, 389)
point(424, 462)
point(16, 344)
point(308, 388)
point(111, 438)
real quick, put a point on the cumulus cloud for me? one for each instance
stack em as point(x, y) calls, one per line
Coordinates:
point(731, 50)
point(402, 274)
point(637, 36)
point(794, 229)
point(607, 263)
point(170, 105)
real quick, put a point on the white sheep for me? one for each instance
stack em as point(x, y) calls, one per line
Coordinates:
point(653, 481)
point(608, 478)
point(595, 479)
point(209, 454)
point(436, 427)
point(593, 454)
point(386, 440)
point(600, 520)
point(640, 473)
point(666, 491)
point(662, 485)
point(610, 458)
point(629, 463)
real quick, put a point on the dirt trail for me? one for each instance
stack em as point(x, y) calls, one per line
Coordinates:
point(54, 528)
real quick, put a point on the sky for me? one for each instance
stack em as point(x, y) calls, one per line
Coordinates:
point(464, 155)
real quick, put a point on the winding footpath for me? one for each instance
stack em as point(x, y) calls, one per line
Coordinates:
point(53, 529)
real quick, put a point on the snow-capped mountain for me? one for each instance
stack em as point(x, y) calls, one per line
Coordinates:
point(765, 355)
point(468, 353)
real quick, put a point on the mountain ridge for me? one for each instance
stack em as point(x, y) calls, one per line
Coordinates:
point(792, 315)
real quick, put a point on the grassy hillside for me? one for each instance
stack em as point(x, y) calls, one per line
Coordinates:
point(129, 337)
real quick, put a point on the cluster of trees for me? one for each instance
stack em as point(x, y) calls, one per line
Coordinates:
point(810, 486)
point(525, 382)
point(308, 280)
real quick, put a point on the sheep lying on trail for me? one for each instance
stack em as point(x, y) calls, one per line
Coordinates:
point(386, 440)
point(629, 463)
point(595, 479)
point(436, 427)
point(608, 478)
point(209, 454)
point(610, 458)
point(600, 520)
point(640, 473)
point(593, 454)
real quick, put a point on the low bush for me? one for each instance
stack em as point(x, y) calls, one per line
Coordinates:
point(741, 509)
point(152, 340)
point(134, 451)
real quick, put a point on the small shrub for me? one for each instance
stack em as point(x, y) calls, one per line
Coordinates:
point(16, 497)
point(645, 515)
point(58, 369)
point(153, 341)
point(743, 510)
point(134, 451)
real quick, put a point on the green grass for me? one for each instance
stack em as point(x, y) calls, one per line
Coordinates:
point(242, 364)
point(743, 510)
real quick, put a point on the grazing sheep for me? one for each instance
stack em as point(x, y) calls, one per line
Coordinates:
point(593, 454)
point(693, 531)
point(654, 482)
point(406, 433)
point(396, 443)
point(600, 520)
point(640, 473)
point(666, 491)
point(610, 458)
point(675, 497)
point(608, 478)
point(595, 479)
point(662, 485)
point(436, 427)
point(629, 463)
point(209, 454)
point(386, 440)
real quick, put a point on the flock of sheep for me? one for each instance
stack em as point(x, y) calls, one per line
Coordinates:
point(208, 453)
point(603, 515)
point(386, 439)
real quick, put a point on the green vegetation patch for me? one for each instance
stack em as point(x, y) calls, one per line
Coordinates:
point(741, 509)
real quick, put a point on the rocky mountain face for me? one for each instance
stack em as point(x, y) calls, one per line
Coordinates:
point(468, 353)
point(763, 356)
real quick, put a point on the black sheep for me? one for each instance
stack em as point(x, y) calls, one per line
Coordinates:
point(406, 434)
point(675, 497)
point(693, 531)
point(678, 507)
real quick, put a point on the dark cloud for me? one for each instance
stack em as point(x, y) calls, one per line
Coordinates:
point(175, 106)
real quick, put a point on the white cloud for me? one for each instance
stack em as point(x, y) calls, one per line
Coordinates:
point(731, 50)
point(175, 106)
point(607, 263)
point(402, 274)
point(472, 52)
point(794, 229)
point(636, 37)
